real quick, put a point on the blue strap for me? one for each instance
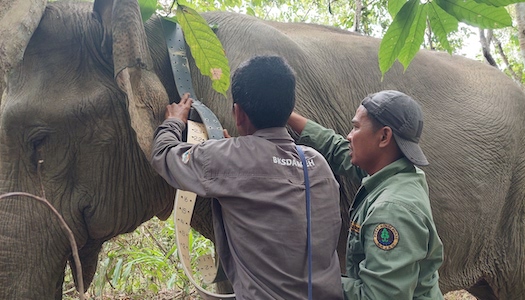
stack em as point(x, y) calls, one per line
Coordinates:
point(308, 220)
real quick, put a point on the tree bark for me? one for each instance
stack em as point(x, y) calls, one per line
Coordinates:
point(357, 17)
point(520, 19)
point(485, 46)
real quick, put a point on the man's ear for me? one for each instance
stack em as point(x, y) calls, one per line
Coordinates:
point(387, 136)
point(240, 115)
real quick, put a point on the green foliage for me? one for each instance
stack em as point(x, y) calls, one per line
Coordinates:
point(476, 14)
point(147, 8)
point(455, 40)
point(403, 36)
point(443, 16)
point(415, 36)
point(396, 35)
point(144, 264)
point(442, 24)
point(498, 3)
point(513, 62)
point(205, 47)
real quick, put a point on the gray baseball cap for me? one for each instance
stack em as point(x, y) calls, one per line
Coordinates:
point(403, 114)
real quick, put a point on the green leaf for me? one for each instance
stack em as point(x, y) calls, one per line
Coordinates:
point(498, 3)
point(127, 271)
point(171, 19)
point(394, 6)
point(116, 272)
point(396, 35)
point(171, 251)
point(206, 48)
point(415, 37)
point(250, 11)
point(476, 14)
point(147, 8)
point(442, 24)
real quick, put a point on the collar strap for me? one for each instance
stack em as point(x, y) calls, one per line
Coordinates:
point(182, 76)
point(185, 201)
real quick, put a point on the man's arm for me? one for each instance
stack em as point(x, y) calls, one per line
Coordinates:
point(179, 163)
point(297, 122)
point(334, 147)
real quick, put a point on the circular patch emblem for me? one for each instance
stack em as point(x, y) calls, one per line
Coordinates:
point(386, 236)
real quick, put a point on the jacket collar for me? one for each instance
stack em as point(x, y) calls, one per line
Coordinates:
point(275, 134)
point(399, 166)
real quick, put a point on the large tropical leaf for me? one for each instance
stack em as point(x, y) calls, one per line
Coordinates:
point(147, 8)
point(394, 6)
point(441, 24)
point(396, 35)
point(205, 48)
point(498, 2)
point(415, 37)
point(476, 14)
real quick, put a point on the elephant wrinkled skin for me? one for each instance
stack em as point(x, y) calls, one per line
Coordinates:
point(92, 87)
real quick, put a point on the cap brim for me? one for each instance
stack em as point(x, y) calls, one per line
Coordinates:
point(412, 151)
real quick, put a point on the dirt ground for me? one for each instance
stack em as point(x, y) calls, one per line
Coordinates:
point(459, 295)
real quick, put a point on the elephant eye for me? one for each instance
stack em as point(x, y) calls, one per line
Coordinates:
point(36, 154)
point(38, 143)
point(37, 140)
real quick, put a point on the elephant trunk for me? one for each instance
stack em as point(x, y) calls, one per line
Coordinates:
point(33, 257)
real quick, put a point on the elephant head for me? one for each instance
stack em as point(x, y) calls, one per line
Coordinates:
point(76, 122)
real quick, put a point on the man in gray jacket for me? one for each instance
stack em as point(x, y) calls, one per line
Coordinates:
point(257, 179)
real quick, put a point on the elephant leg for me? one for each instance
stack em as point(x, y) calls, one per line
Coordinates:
point(59, 284)
point(482, 290)
point(88, 260)
point(201, 219)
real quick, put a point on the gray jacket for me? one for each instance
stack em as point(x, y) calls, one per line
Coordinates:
point(259, 211)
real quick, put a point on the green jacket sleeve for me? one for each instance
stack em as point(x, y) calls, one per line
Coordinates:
point(332, 146)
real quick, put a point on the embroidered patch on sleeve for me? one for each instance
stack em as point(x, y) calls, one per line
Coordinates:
point(386, 236)
point(186, 156)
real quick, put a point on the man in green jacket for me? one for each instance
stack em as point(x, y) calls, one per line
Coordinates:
point(393, 249)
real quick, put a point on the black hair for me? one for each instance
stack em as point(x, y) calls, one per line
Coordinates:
point(376, 125)
point(264, 87)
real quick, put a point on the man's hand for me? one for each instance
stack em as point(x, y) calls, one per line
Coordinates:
point(180, 110)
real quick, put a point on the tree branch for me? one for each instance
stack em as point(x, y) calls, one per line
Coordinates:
point(499, 48)
point(485, 47)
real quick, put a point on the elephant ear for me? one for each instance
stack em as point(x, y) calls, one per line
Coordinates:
point(125, 38)
point(18, 21)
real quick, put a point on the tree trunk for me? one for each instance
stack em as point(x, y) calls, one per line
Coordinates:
point(520, 19)
point(485, 46)
point(357, 17)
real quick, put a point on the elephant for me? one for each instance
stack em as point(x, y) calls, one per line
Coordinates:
point(86, 84)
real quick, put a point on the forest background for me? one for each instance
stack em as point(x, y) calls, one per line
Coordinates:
point(144, 264)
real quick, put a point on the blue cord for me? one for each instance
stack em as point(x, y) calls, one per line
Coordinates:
point(308, 221)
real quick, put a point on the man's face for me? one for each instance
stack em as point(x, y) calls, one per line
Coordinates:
point(364, 141)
